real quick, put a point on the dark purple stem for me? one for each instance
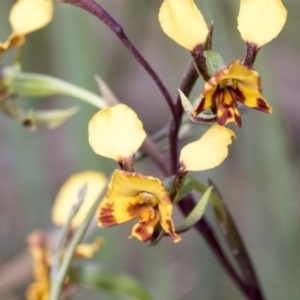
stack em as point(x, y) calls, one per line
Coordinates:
point(251, 53)
point(94, 8)
point(186, 205)
point(186, 86)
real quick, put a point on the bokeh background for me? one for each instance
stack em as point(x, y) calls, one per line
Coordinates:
point(259, 180)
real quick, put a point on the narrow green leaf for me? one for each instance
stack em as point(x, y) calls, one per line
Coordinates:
point(58, 278)
point(65, 230)
point(98, 277)
point(234, 240)
point(196, 214)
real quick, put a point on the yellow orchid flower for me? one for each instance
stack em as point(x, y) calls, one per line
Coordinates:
point(207, 152)
point(68, 196)
point(42, 262)
point(26, 16)
point(260, 21)
point(233, 84)
point(133, 195)
point(116, 132)
point(39, 250)
point(183, 22)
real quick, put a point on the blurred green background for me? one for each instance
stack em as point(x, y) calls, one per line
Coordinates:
point(259, 180)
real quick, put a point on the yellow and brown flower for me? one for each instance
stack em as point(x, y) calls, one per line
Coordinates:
point(233, 84)
point(133, 195)
point(42, 263)
point(39, 249)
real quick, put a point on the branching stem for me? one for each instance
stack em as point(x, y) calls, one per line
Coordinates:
point(95, 9)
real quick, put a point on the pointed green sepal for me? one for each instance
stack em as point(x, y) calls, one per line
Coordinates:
point(50, 118)
point(196, 214)
point(188, 108)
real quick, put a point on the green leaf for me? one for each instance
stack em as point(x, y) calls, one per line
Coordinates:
point(98, 277)
point(214, 61)
point(196, 214)
point(38, 85)
point(234, 240)
point(227, 227)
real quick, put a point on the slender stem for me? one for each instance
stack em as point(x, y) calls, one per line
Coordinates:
point(150, 148)
point(186, 86)
point(178, 181)
point(186, 206)
point(251, 53)
point(239, 251)
point(95, 9)
point(57, 282)
point(65, 231)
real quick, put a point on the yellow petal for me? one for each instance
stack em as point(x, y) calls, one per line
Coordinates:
point(39, 250)
point(253, 99)
point(128, 195)
point(166, 222)
point(14, 40)
point(68, 196)
point(209, 151)
point(116, 132)
point(183, 22)
point(30, 15)
point(144, 229)
point(114, 211)
point(236, 70)
point(260, 21)
point(88, 250)
point(38, 291)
